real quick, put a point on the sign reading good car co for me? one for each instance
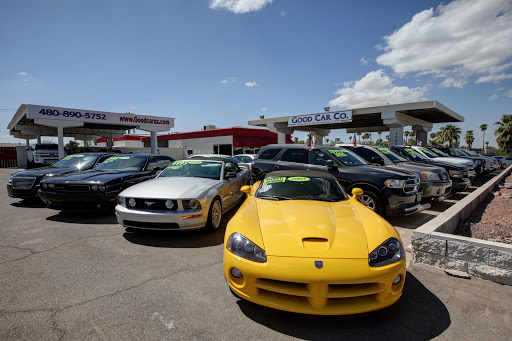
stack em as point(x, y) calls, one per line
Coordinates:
point(328, 117)
point(89, 116)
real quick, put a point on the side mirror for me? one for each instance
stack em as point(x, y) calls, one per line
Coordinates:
point(378, 160)
point(230, 175)
point(356, 191)
point(246, 189)
point(331, 165)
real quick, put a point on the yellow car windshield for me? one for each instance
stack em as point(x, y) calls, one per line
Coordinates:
point(300, 188)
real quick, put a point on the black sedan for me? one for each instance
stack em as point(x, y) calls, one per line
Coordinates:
point(99, 187)
point(25, 184)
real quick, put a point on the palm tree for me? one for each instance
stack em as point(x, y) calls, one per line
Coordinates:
point(483, 128)
point(469, 138)
point(359, 136)
point(450, 133)
point(365, 137)
point(504, 133)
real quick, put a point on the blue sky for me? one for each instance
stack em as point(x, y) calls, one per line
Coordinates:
point(225, 62)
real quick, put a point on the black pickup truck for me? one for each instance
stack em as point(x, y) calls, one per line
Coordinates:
point(386, 191)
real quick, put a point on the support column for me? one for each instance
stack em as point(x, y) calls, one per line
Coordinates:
point(281, 129)
point(396, 135)
point(154, 142)
point(319, 135)
point(421, 133)
point(38, 138)
point(60, 138)
point(110, 142)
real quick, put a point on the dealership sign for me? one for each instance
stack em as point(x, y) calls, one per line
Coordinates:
point(89, 116)
point(328, 117)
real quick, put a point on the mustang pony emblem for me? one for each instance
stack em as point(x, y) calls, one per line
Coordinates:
point(319, 264)
point(149, 203)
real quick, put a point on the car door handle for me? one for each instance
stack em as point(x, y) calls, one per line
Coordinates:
point(277, 167)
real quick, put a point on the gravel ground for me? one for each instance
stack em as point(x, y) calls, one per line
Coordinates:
point(492, 219)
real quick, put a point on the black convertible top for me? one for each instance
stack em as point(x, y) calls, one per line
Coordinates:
point(305, 173)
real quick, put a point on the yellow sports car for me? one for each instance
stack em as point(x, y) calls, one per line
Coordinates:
point(299, 243)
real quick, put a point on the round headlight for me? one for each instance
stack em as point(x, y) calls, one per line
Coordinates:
point(94, 187)
point(51, 186)
point(132, 202)
point(382, 251)
point(44, 185)
point(101, 188)
point(169, 204)
point(193, 204)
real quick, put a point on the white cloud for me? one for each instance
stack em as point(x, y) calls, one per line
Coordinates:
point(264, 109)
point(494, 96)
point(365, 61)
point(452, 82)
point(283, 13)
point(23, 73)
point(250, 84)
point(374, 89)
point(239, 6)
point(509, 94)
point(228, 80)
point(462, 38)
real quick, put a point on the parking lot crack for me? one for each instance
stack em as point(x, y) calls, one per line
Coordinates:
point(33, 253)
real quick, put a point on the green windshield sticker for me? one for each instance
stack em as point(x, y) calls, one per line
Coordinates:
point(274, 180)
point(436, 150)
point(298, 178)
point(183, 163)
point(72, 156)
point(337, 152)
point(409, 150)
point(423, 149)
point(385, 150)
point(114, 158)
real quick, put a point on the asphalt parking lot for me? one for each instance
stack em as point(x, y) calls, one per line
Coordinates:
point(83, 277)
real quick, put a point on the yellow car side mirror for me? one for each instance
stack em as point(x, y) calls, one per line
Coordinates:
point(356, 191)
point(247, 189)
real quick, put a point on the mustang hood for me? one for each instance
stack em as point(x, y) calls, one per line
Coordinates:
point(170, 188)
point(295, 228)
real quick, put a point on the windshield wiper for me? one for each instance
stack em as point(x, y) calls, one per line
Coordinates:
point(273, 197)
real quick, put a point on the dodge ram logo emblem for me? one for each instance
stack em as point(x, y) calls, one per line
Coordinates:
point(149, 203)
point(319, 264)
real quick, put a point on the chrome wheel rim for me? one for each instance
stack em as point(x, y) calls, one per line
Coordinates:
point(216, 214)
point(367, 201)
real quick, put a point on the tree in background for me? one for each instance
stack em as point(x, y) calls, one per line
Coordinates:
point(483, 128)
point(469, 138)
point(366, 136)
point(359, 137)
point(72, 144)
point(504, 133)
point(450, 133)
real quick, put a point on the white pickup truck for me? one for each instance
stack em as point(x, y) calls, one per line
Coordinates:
point(42, 154)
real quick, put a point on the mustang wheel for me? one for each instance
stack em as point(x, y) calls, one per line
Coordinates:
point(214, 216)
point(370, 200)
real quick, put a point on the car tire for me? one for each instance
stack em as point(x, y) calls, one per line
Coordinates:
point(372, 201)
point(214, 216)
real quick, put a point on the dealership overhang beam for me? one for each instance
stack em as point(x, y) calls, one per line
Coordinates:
point(420, 115)
point(34, 121)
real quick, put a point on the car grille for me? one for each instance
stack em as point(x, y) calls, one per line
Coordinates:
point(163, 226)
point(72, 188)
point(465, 174)
point(23, 183)
point(411, 185)
point(317, 295)
point(153, 204)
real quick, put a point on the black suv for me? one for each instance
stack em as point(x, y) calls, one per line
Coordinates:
point(386, 191)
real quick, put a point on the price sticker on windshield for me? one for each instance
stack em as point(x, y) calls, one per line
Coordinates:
point(72, 156)
point(337, 152)
point(298, 178)
point(385, 150)
point(409, 150)
point(114, 158)
point(274, 180)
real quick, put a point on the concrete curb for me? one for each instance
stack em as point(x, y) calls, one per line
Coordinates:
point(434, 243)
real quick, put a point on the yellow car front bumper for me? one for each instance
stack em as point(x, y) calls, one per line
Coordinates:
point(341, 286)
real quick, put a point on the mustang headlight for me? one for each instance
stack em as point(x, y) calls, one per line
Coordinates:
point(243, 247)
point(44, 185)
point(393, 183)
point(191, 204)
point(132, 202)
point(390, 251)
point(101, 188)
point(120, 201)
point(51, 186)
point(429, 176)
point(169, 204)
point(455, 174)
point(94, 188)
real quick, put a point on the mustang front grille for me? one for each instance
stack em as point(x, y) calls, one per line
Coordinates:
point(153, 204)
point(23, 183)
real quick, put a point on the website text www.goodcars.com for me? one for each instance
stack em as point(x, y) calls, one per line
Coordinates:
point(136, 119)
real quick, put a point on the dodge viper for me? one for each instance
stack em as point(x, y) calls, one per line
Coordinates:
point(299, 243)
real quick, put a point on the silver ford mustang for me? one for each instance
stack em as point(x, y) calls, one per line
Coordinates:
point(188, 194)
